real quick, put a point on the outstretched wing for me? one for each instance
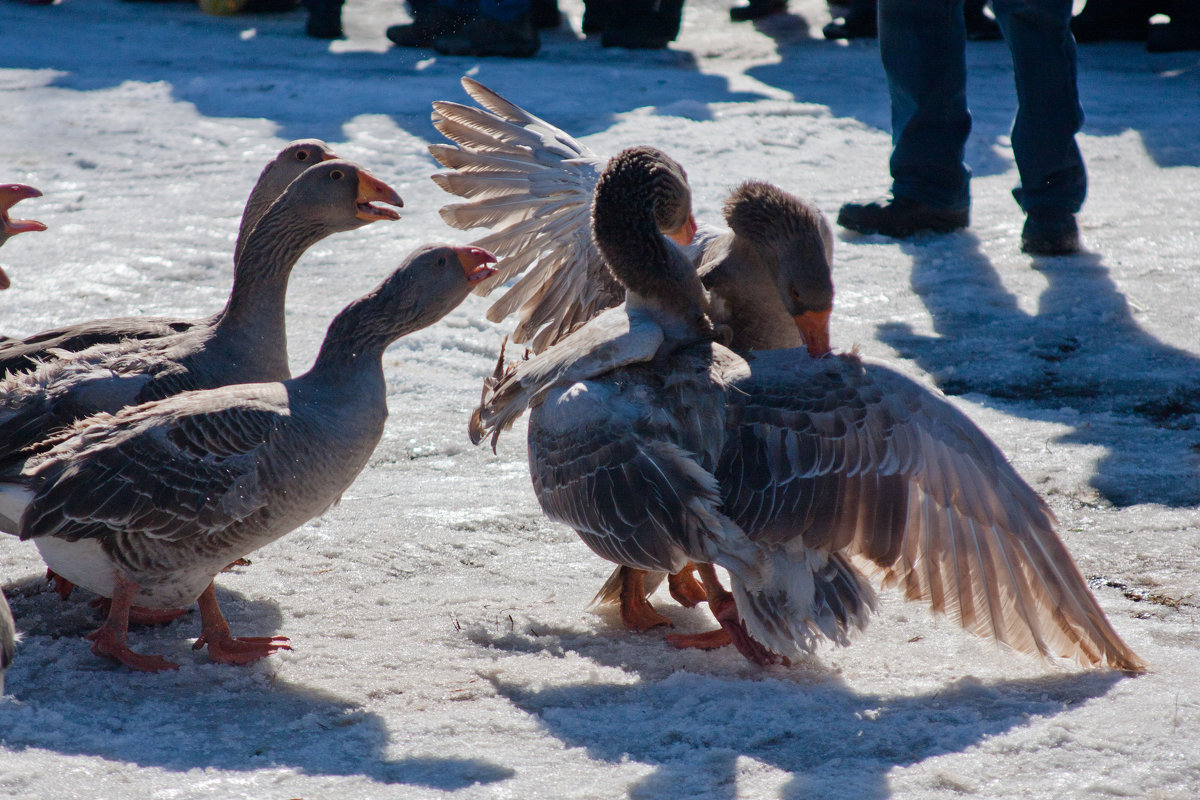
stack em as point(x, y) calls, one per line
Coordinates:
point(532, 184)
point(848, 455)
point(168, 470)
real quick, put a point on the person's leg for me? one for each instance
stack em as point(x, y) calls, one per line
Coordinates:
point(1053, 177)
point(923, 47)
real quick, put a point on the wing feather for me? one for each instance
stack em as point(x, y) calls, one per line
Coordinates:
point(163, 470)
point(839, 453)
point(532, 183)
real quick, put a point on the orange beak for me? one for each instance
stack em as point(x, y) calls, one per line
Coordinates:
point(814, 327)
point(685, 233)
point(372, 190)
point(475, 261)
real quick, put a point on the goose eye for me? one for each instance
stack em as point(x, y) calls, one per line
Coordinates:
point(337, 175)
point(442, 261)
point(302, 155)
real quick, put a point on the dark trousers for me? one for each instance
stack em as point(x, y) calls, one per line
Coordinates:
point(923, 46)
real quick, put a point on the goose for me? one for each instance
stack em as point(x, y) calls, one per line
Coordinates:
point(8, 638)
point(244, 343)
point(661, 447)
point(10, 195)
point(24, 354)
point(148, 504)
point(532, 183)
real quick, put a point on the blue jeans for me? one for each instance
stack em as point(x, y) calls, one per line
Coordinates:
point(923, 47)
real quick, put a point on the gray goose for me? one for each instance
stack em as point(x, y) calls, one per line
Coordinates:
point(660, 446)
point(148, 504)
point(532, 183)
point(244, 343)
point(10, 195)
point(23, 354)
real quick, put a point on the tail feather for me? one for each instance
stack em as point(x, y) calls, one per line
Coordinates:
point(802, 598)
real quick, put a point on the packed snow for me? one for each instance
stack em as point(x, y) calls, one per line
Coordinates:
point(443, 645)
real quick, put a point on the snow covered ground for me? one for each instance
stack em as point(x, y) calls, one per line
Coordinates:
point(442, 643)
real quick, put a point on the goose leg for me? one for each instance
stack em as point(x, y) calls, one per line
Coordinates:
point(636, 611)
point(140, 615)
point(62, 586)
point(222, 646)
point(686, 590)
point(732, 630)
point(109, 639)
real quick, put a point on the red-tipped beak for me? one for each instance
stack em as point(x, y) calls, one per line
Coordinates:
point(475, 261)
point(685, 233)
point(814, 327)
point(372, 190)
point(10, 195)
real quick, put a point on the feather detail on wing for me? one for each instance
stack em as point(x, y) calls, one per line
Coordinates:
point(20, 355)
point(160, 470)
point(532, 183)
point(841, 454)
point(614, 339)
point(600, 465)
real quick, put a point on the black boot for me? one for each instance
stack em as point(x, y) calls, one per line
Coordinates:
point(429, 22)
point(643, 24)
point(757, 9)
point(544, 14)
point(1050, 232)
point(324, 19)
point(484, 36)
point(851, 26)
point(1111, 20)
point(901, 217)
point(980, 27)
point(596, 15)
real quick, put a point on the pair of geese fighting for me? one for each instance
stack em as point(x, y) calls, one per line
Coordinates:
point(686, 412)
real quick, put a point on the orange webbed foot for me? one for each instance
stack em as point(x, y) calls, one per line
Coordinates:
point(106, 642)
point(232, 650)
point(62, 586)
point(636, 612)
point(732, 630)
point(686, 590)
point(711, 640)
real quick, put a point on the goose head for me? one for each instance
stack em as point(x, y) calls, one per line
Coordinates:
point(279, 172)
point(793, 238)
point(627, 224)
point(430, 282)
point(335, 195)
